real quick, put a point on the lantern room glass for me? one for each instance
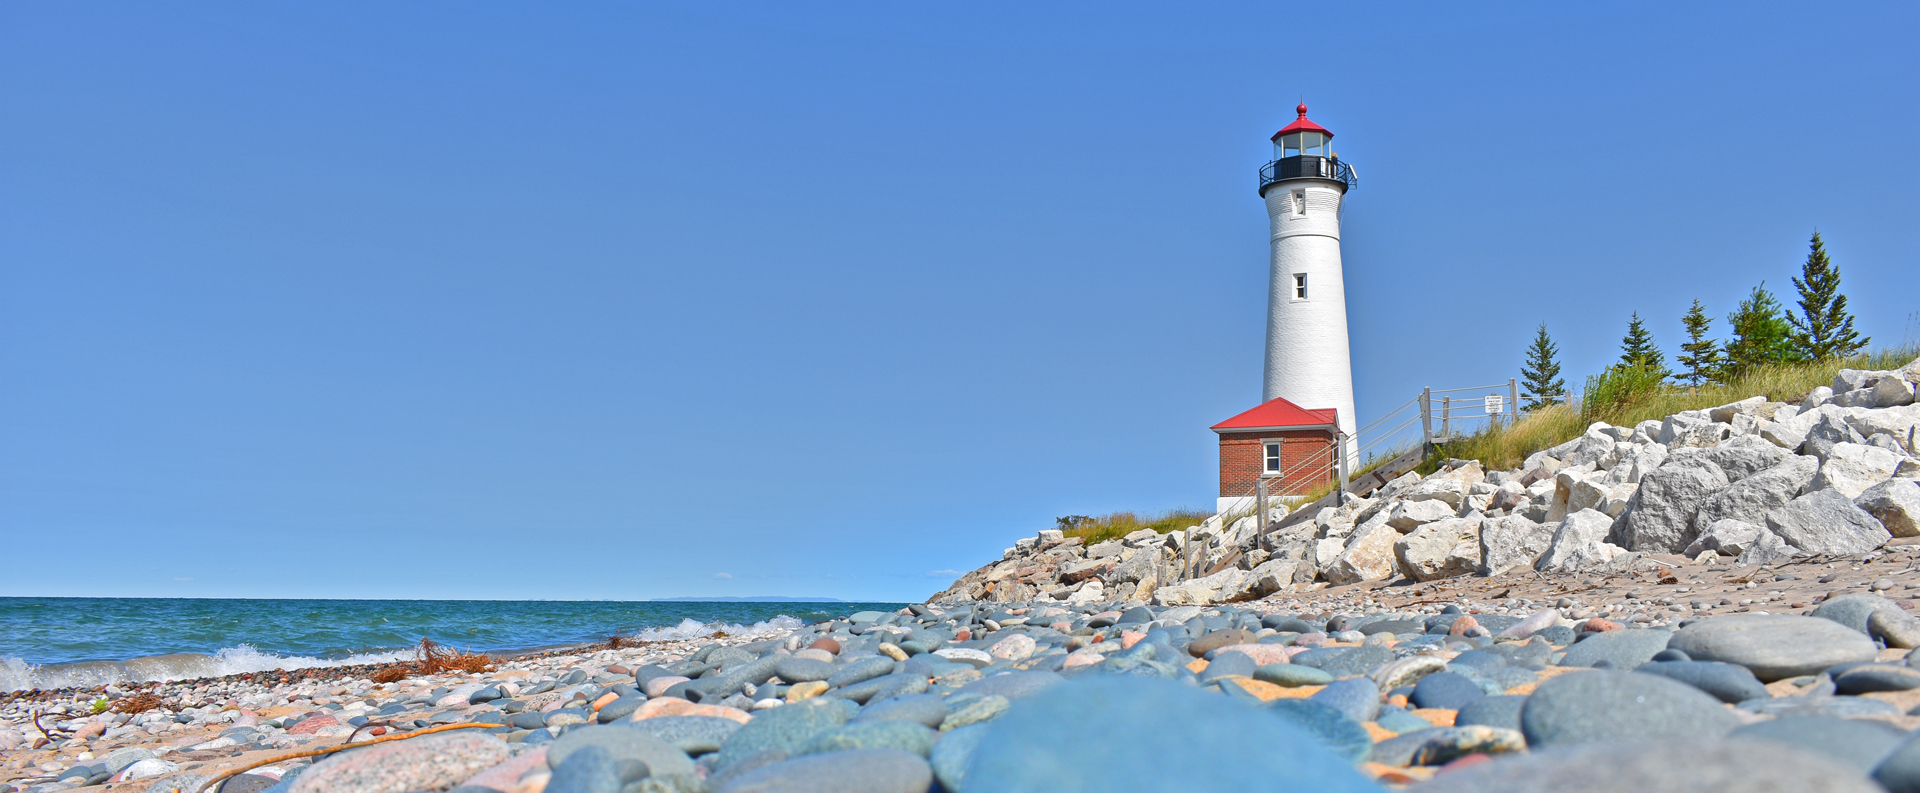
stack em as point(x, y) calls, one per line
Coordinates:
point(1298, 143)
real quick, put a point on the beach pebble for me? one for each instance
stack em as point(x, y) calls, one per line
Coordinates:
point(952, 754)
point(622, 743)
point(1497, 711)
point(1445, 691)
point(1086, 735)
point(786, 729)
point(1619, 706)
point(1334, 729)
point(924, 709)
point(1856, 743)
point(1621, 649)
point(795, 669)
point(425, 763)
point(903, 735)
point(1013, 685)
point(1869, 678)
point(1774, 646)
point(859, 771)
point(1726, 682)
point(1675, 765)
point(1354, 697)
point(1853, 610)
point(1292, 675)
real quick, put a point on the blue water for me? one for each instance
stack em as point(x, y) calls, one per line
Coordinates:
point(38, 635)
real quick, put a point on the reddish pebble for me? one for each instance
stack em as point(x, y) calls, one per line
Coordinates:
point(1129, 638)
point(1097, 638)
point(963, 635)
point(1462, 625)
point(377, 731)
point(1596, 624)
point(831, 646)
point(1466, 762)
point(617, 669)
point(312, 724)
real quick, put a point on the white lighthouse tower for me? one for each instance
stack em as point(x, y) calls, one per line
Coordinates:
point(1307, 359)
point(1292, 442)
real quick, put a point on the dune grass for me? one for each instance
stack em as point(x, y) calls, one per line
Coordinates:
point(1120, 524)
point(1624, 403)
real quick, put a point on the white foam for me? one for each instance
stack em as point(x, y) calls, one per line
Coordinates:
point(695, 629)
point(18, 675)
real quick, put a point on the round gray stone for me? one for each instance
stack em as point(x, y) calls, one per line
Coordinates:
point(1502, 711)
point(903, 735)
point(1342, 735)
point(1292, 675)
point(858, 771)
point(1619, 706)
point(1355, 697)
point(1853, 610)
point(622, 743)
point(695, 735)
point(1149, 736)
point(1013, 685)
point(1856, 743)
point(803, 670)
point(926, 709)
point(1876, 677)
point(1774, 646)
point(1680, 765)
point(952, 754)
point(1446, 691)
point(1623, 649)
point(1726, 682)
point(785, 728)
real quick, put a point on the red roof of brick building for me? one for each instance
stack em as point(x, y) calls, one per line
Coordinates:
point(1279, 414)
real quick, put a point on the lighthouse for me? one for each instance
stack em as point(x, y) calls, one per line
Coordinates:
point(1290, 440)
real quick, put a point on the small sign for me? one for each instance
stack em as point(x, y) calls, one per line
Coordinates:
point(1494, 404)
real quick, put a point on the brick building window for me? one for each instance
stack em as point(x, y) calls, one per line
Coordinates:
point(1273, 457)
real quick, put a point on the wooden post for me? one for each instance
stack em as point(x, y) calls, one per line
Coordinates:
point(1340, 448)
point(1513, 398)
point(1426, 415)
point(1446, 418)
point(1260, 503)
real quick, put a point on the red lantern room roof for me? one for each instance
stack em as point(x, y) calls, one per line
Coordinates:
point(1301, 124)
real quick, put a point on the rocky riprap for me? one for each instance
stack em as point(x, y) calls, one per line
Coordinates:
point(1753, 482)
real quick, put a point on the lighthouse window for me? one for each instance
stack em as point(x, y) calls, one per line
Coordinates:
point(1299, 286)
point(1273, 457)
point(1299, 203)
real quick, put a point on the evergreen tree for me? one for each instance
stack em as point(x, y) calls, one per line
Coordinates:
point(1541, 376)
point(1759, 335)
point(1637, 348)
point(1702, 357)
point(1824, 329)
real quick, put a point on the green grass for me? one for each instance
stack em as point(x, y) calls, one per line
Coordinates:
point(1624, 403)
point(1121, 524)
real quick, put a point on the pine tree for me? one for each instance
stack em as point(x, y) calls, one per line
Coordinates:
point(1637, 348)
point(1541, 376)
point(1759, 335)
point(1824, 329)
point(1702, 358)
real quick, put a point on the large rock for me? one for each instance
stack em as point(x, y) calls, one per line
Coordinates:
point(1750, 499)
point(1441, 549)
point(1900, 425)
point(1681, 431)
point(1450, 491)
point(1828, 428)
point(1851, 468)
point(1410, 515)
point(1854, 611)
point(1087, 735)
point(1660, 517)
point(1726, 537)
point(1227, 586)
point(1276, 575)
point(1619, 706)
point(1579, 543)
point(1896, 504)
point(1774, 646)
point(1743, 456)
point(1370, 556)
point(1674, 765)
point(1768, 548)
point(1510, 542)
point(1827, 522)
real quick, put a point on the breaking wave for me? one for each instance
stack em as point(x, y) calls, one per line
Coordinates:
point(18, 675)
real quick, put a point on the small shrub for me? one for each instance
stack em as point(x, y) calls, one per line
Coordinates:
point(1113, 526)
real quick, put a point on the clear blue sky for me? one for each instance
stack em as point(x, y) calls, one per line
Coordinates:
point(614, 300)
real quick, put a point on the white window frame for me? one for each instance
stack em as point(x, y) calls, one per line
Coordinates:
point(1300, 288)
point(1299, 199)
point(1272, 451)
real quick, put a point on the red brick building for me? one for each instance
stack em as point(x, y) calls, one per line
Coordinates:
point(1289, 446)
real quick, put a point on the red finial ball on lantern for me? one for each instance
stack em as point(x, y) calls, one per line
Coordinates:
point(1302, 110)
